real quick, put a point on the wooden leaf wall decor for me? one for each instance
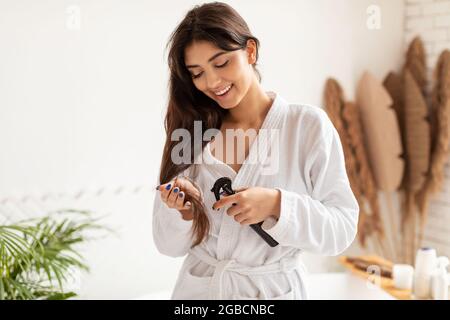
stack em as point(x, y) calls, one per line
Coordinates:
point(417, 132)
point(334, 105)
point(394, 85)
point(382, 133)
point(355, 132)
point(441, 109)
point(440, 106)
point(416, 64)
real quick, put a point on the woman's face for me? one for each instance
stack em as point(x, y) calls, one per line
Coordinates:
point(222, 75)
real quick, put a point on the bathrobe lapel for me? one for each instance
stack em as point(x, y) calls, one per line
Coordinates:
point(250, 171)
point(265, 142)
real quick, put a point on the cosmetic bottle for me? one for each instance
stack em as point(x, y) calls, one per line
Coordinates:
point(425, 266)
point(439, 280)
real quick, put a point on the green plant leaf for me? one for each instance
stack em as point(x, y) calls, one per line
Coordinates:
point(37, 254)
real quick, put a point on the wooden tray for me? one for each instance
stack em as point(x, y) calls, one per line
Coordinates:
point(386, 283)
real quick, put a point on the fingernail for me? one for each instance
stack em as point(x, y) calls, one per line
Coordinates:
point(213, 208)
point(157, 188)
point(188, 204)
point(176, 190)
point(168, 187)
point(181, 194)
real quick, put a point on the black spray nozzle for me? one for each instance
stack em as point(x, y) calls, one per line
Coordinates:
point(223, 185)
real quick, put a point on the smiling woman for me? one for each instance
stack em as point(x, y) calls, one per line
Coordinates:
point(212, 58)
point(297, 192)
point(222, 72)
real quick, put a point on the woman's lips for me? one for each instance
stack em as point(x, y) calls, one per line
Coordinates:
point(225, 95)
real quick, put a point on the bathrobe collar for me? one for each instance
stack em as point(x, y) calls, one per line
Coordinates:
point(248, 173)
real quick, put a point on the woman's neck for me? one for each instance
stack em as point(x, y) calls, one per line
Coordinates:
point(252, 110)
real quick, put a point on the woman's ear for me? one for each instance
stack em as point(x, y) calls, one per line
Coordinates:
point(251, 51)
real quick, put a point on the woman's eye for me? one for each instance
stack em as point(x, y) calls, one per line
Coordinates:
point(195, 76)
point(223, 65)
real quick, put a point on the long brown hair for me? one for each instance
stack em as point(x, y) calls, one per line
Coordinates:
point(221, 25)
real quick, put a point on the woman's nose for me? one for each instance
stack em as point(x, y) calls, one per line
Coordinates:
point(212, 81)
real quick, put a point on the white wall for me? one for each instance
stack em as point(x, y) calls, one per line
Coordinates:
point(81, 109)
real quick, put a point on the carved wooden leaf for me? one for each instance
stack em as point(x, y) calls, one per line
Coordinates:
point(417, 131)
point(382, 133)
point(334, 103)
point(441, 129)
point(416, 63)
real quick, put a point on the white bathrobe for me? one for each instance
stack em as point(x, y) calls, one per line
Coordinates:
point(319, 213)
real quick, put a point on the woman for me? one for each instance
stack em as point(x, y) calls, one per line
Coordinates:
point(297, 188)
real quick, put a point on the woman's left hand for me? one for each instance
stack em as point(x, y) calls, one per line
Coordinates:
point(251, 205)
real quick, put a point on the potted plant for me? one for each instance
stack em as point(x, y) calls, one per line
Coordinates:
point(37, 256)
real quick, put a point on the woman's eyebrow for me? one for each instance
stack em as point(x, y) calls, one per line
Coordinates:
point(210, 59)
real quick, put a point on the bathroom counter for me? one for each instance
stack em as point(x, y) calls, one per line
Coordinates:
point(343, 286)
point(325, 286)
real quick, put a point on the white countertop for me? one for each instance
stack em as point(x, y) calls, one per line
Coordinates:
point(324, 286)
point(343, 286)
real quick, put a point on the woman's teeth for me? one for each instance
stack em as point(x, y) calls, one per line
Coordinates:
point(222, 92)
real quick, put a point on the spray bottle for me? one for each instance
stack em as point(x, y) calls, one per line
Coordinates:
point(424, 268)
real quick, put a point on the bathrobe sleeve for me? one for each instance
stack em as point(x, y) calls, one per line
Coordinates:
point(324, 221)
point(171, 233)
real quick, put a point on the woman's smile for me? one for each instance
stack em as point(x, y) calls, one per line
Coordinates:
point(224, 93)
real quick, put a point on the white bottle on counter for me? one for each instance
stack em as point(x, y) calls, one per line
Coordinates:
point(439, 281)
point(425, 266)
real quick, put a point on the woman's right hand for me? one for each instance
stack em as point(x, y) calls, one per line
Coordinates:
point(176, 194)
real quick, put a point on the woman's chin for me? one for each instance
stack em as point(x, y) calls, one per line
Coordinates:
point(227, 105)
point(228, 101)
